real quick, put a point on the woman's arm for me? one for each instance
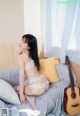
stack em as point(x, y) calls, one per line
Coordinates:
point(21, 80)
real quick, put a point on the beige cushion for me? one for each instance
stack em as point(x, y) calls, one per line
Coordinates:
point(76, 69)
point(7, 93)
point(8, 56)
point(74, 56)
point(48, 68)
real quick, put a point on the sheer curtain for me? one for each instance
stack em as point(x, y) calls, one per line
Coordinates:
point(61, 27)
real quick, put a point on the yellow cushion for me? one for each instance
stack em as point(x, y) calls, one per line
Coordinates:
point(48, 68)
point(8, 56)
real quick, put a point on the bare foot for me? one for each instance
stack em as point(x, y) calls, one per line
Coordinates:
point(50, 86)
point(32, 102)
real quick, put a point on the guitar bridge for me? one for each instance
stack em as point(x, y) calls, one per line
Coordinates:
point(75, 105)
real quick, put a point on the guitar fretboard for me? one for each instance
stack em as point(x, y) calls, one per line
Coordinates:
point(67, 61)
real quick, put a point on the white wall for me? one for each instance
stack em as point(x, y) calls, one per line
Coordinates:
point(33, 19)
point(11, 20)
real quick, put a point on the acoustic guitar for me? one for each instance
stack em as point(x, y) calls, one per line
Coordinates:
point(71, 94)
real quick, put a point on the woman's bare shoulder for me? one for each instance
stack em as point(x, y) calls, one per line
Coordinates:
point(22, 59)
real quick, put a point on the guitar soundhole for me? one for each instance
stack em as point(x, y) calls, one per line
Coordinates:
point(73, 95)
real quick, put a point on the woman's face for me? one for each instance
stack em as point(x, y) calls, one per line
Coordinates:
point(23, 45)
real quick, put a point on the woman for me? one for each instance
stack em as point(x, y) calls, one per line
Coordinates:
point(29, 64)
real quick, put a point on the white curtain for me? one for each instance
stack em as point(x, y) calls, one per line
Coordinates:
point(61, 27)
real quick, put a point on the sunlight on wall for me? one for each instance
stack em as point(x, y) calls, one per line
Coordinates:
point(32, 20)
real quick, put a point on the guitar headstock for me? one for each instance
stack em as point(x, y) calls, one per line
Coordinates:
point(67, 61)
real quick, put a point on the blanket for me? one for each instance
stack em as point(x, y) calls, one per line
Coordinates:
point(50, 103)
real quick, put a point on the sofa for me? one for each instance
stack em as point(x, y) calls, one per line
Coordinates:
point(51, 102)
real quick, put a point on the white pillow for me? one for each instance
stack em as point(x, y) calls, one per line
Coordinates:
point(7, 93)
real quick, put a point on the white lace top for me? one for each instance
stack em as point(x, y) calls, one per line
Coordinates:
point(29, 65)
point(35, 82)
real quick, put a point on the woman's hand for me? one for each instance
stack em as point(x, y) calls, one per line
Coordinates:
point(23, 99)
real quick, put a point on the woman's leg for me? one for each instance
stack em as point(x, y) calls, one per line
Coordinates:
point(17, 89)
point(30, 97)
point(50, 86)
point(32, 102)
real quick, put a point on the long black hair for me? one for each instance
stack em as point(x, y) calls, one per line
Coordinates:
point(32, 43)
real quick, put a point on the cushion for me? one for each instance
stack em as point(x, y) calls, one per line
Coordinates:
point(74, 57)
point(76, 69)
point(8, 56)
point(48, 68)
point(63, 73)
point(7, 93)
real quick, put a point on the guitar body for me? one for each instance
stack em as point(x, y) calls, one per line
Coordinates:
point(72, 105)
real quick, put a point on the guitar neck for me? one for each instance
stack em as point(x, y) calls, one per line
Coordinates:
point(71, 79)
point(67, 61)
